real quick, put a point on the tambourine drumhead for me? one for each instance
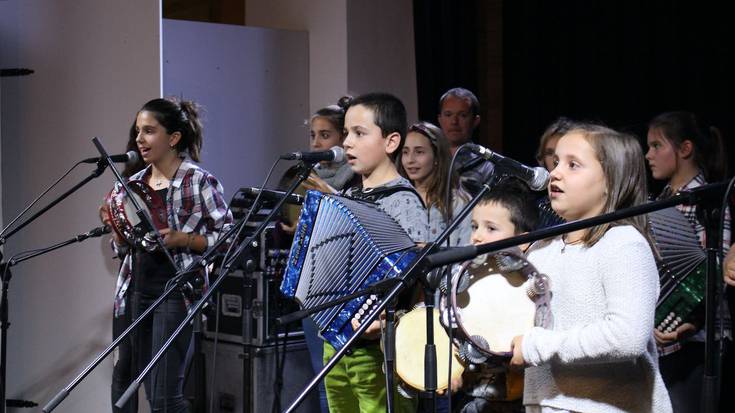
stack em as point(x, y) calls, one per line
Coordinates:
point(410, 342)
point(495, 306)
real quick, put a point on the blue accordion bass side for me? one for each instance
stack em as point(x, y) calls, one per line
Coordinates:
point(342, 246)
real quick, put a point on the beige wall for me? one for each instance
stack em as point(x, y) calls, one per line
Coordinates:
point(381, 55)
point(325, 21)
point(95, 62)
point(354, 46)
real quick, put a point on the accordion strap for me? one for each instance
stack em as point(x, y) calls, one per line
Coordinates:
point(375, 194)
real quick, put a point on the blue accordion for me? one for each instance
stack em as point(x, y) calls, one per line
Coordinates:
point(342, 246)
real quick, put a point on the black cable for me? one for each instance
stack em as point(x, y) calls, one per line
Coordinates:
point(212, 381)
point(215, 346)
point(227, 211)
point(226, 256)
point(243, 223)
point(166, 287)
point(23, 254)
point(448, 274)
point(448, 189)
point(4, 230)
point(280, 358)
point(280, 364)
point(276, 405)
point(250, 212)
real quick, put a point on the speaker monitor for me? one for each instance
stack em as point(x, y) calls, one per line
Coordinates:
point(228, 388)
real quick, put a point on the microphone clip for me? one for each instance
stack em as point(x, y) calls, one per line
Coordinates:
point(94, 232)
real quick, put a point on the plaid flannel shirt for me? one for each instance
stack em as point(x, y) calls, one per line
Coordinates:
point(690, 212)
point(194, 203)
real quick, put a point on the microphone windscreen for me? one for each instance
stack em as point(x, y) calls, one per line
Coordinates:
point(133, 157)
point(339, 153)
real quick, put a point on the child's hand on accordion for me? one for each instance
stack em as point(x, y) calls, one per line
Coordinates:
point(288, 228)
point(373, 331)
point(682, 332)
point(318, 184)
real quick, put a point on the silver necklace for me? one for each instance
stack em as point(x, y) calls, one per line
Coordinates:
point(160, 182)
point(564, 243)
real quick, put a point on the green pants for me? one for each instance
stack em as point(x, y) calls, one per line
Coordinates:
point(356, 384)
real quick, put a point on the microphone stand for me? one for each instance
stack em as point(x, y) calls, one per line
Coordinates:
point(694, 196)
point(430, 356)
point(97, 172)
point(4, 306)
point(710, 217)
point(399, 284)
point(706, 196)
point(31, 254)
point(179, 279)
point(226, 268)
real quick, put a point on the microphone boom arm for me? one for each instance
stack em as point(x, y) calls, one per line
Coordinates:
point(101, 165)
point(698, 195)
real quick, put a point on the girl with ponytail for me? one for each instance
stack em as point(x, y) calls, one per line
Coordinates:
point(686, 154)
point(168, 136)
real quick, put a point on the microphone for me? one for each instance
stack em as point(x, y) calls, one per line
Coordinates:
point(335, 154)
point(95, 232)
point(129, 157)
point(536, 178)
point(99, 231)
point(272, 195)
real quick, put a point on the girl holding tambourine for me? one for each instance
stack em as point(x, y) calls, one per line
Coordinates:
point(169, 139)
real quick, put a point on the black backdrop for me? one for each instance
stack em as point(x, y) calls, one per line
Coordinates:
point(446, 50)
point(619, 62)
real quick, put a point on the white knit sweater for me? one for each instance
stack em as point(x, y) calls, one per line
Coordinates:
point(599, 355)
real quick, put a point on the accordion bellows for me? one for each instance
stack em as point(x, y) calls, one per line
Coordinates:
point(341, 246)
point(681, 268)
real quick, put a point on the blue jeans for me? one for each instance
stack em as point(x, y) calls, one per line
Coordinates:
point(124, 368)
point(164, 385)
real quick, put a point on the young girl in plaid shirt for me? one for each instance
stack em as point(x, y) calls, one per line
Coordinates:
point(169, 139)
point(686, 154)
